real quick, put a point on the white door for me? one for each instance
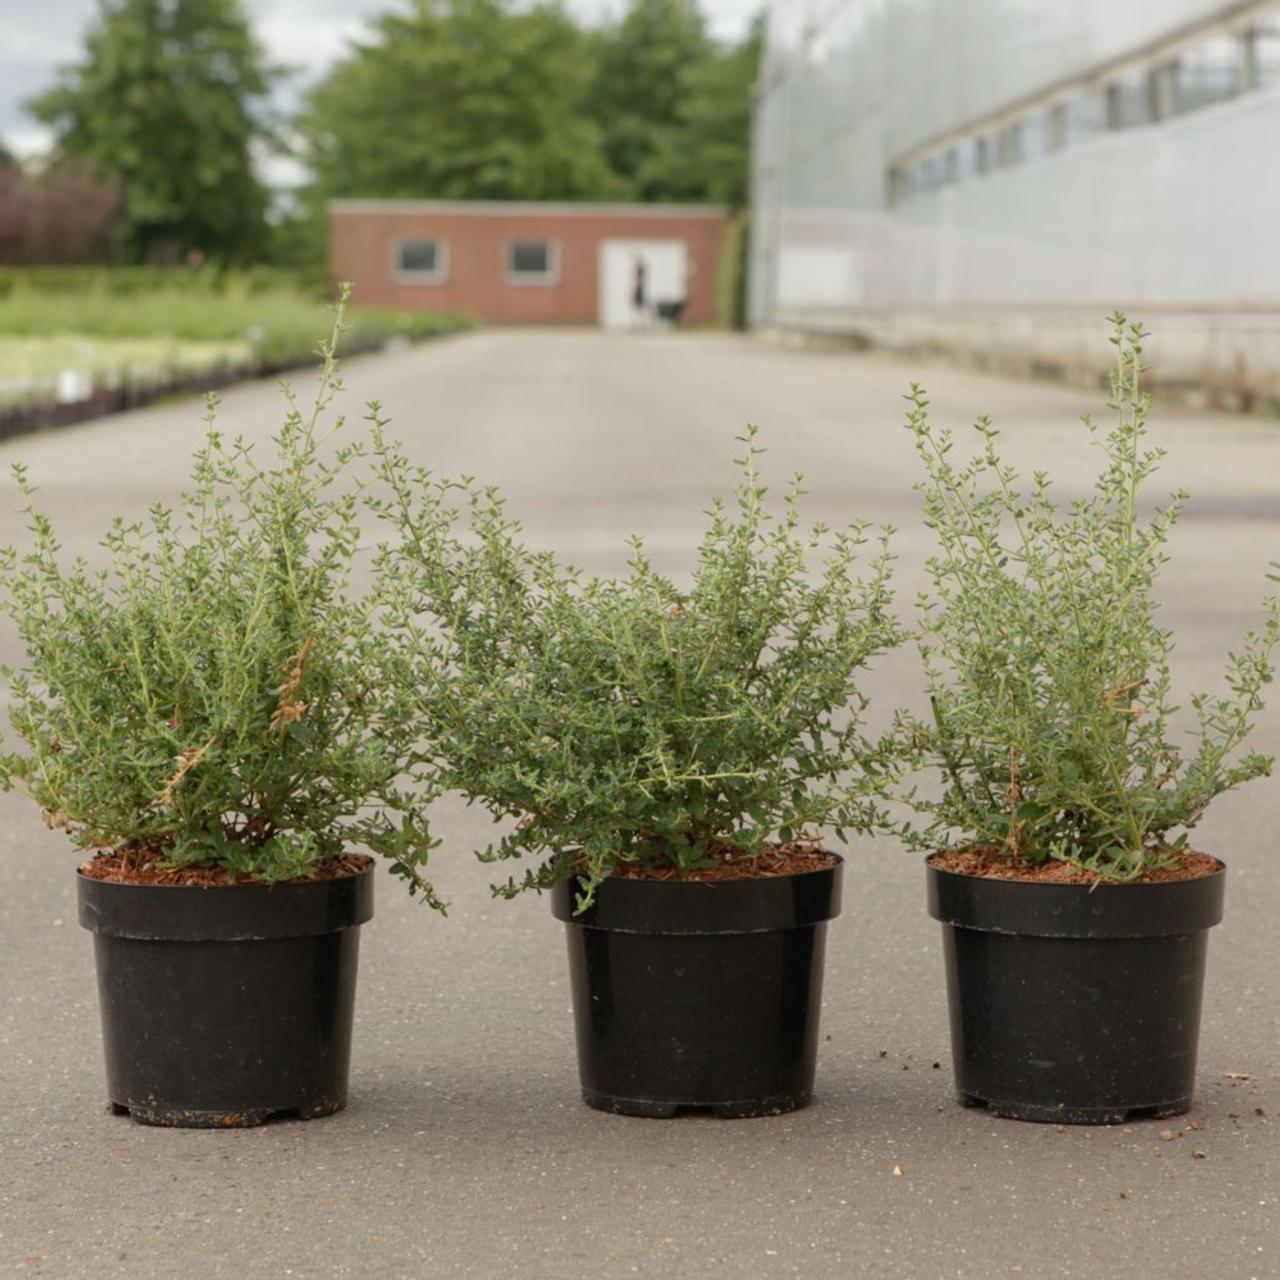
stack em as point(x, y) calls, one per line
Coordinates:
point(664, 267)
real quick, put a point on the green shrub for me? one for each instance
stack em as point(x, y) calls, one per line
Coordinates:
point(218, 693)
point(1048, 668)
point(630, 721)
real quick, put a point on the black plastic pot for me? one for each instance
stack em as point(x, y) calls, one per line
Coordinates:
point(696, 996)
point(1070, 1004)
point(222, 1006)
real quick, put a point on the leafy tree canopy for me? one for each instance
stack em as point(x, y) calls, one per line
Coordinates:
point(463, 99)
point(704, 153)
point(164, 104)
point(640, 82)
point(485, 99)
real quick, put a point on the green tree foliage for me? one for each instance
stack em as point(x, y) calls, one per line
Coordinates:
point(464, 99)
point(643, 66)
point(164, 105)
point(1047, 664)
point(217, 693)
point(704, 153)
point(629, 720)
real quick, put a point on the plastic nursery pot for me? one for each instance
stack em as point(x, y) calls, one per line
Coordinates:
point(1073, 1004)
point(699, 996)
point(224, 1005)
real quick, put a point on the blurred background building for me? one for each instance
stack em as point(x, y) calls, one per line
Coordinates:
point(986, 177)
point(619, 266)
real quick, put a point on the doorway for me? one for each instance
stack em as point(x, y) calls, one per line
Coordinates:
point(665, 272)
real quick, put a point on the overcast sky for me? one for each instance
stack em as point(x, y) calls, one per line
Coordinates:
point(36, 36)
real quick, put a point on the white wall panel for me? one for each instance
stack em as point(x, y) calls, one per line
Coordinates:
point(1183, 211)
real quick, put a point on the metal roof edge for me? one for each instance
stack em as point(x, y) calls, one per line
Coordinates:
point(508, 208)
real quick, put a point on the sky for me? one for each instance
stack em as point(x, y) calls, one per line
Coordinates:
point(37, 36)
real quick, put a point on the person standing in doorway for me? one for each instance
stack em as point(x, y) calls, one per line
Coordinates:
point(640, 295)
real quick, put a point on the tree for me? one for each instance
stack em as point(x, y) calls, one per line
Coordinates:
point(165, 106)
point(704, 154)
point(460, 99)
point(643, 63)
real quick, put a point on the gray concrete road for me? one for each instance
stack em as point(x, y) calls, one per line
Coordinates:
point(465, 1150)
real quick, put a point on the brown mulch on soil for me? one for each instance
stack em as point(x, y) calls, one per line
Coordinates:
point(985, 861)
point(146, 866)
point(732, 864)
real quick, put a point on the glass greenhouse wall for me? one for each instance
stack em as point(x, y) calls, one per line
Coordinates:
point(960, 153)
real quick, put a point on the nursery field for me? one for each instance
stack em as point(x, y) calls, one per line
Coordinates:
point(465, 1150)
point(68, 335)
point(36, 369)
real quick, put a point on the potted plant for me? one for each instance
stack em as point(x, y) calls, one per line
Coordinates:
point(1075, 913)
point(213, 713)
point(670, 757)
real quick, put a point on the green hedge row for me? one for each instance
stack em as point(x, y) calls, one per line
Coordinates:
point(129, 281)
point(280, 325)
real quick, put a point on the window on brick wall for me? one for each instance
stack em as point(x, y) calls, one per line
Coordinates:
point(533, 262)
point(421, 261)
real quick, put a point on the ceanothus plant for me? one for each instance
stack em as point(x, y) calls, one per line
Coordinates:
point(1047, 665)
point(219, 695)
point(629, 721)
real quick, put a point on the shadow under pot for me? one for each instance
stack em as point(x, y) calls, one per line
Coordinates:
point(1071, 1004)
point(699, 996)
point(224, 1005)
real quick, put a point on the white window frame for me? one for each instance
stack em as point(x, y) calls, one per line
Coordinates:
point(550, 276)
point(438, 275)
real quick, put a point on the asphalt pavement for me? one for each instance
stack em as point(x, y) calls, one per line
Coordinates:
point(465, 1150)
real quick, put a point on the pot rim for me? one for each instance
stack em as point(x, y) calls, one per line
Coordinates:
point(749, 904)
point(225, 912)
point(1092, 887)
point(991, 904)
point(370, 863)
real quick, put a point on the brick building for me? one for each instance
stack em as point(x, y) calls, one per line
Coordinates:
point(530, 263)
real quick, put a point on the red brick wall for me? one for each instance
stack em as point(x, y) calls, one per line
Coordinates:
point(362, 243)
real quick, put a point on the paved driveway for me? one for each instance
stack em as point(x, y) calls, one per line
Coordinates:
point(465, 1150)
